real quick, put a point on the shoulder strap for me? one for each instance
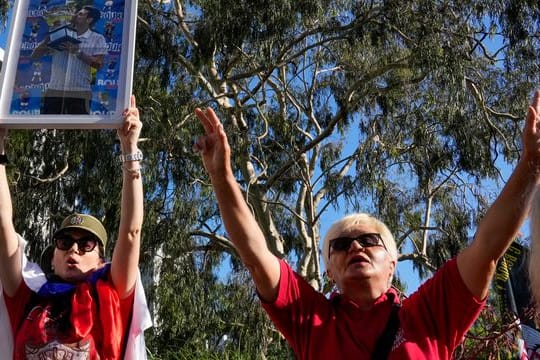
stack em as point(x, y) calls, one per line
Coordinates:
point(386, 340)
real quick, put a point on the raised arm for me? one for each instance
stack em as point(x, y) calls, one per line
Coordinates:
point(125, 260)
point(240, 223)
point(10, 259)
point(504, 218)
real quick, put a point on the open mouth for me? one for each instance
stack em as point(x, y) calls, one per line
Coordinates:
point(358, 259)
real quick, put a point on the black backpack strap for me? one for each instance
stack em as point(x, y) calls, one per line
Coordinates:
point(386, 340)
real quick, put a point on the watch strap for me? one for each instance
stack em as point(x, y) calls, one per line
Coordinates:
point(136, 156)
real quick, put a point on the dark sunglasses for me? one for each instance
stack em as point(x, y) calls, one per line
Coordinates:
point(365, 240)
point(84, 244)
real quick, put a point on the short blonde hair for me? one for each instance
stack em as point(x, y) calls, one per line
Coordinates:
point(354, 220)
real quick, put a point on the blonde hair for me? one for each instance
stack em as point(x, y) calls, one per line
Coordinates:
point(354, 220)
point(534, 258)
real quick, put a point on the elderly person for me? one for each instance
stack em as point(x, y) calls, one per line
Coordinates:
point(84, 308)
point(366, 318)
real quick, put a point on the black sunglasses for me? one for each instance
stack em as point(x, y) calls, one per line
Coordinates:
point(365, 240)
point(85, 243)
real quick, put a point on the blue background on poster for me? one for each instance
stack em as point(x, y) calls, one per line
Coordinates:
point(33, 75)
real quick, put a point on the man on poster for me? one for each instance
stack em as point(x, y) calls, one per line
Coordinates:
point(69, 90)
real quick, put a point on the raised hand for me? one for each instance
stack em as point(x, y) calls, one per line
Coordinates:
point(531, 133)
point(213, 146)
point(125, 260)
point(131, 128)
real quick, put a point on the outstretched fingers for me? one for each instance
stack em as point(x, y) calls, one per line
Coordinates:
point(209, 120)
point(217, 126)
point(131, 124)
point(533, 115)
point(214, 132)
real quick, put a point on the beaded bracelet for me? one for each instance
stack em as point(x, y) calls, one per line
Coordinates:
point(135, 173)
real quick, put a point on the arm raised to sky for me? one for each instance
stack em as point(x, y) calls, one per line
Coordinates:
point(503, 220)
point(240, 223)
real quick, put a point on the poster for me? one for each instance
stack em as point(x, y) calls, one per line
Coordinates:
point(68, 64)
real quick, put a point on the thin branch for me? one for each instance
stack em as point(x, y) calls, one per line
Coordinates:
point(216, 239)
point(418, 257)
point(54, 178)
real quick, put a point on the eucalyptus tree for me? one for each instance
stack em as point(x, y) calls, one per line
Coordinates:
point(396, 108)
point(403, 109)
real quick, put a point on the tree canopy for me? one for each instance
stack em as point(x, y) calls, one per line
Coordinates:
point(402, 109)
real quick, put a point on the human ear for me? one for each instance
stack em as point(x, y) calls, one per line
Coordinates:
point(392, 266)
point(391, 269)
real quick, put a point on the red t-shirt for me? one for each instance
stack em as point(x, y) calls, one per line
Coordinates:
point(433, 320)
point(94, 328)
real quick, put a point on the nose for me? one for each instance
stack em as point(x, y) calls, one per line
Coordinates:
point(355, 245)
point(74, 248)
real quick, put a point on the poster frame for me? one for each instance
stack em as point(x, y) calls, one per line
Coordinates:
point(121, 47)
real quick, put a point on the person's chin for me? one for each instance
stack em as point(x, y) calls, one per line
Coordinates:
point(72, 278)
point(73, 274)
point(359, 271)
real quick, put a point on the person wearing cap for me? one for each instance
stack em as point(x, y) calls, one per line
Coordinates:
point(84, 308)
point(366, 318)
point(94, 236)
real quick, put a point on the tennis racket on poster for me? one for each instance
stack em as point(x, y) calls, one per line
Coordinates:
point(68, 64)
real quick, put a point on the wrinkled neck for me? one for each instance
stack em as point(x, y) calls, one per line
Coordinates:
point(363, 294)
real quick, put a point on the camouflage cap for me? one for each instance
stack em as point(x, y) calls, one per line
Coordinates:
point(84, 222)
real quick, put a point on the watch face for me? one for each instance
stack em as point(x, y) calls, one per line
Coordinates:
point(3, 159)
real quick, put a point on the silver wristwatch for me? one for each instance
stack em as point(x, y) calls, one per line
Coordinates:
point(137, 156)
